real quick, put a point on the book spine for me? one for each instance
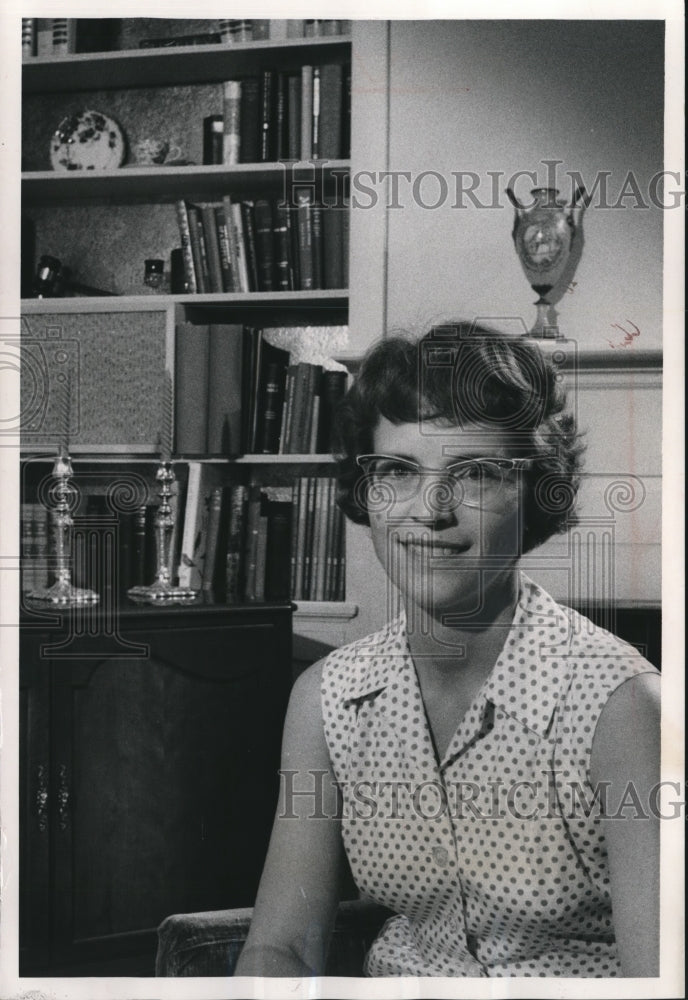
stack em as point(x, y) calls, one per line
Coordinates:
point(44, 36)
point(295, 27)
point(261, 29)
point(264, 248)
point(250, 245)
point(315, 417)
point(278, 556)
point(249, 120)
point(28, 37)
point(280, 145)
point(293, 216)
point(267, 125)
point(287, 408)
point(212, 247)
point(299, 414)
point(191, 390)
point(346, 223)
point(191, 521)
point(256, 374)
point(328, 589)
point(185, 238)
point(299, 542)
point(242, 266)
point(214, 514)
point(235, 544)
point(224, 249)
point(333, 240)
point(331, 111)
point(262, 549)
point(272, 399)
point(320, 540)
point(317, 243)
point(304, 200)
point(231, 112)
point(138, 553)
point(333, 387)
point(294, 116)
point(64, 36)
point(308, 539)
point(312, 388)
point(293, 536)
point(198, 248)
point(225, 351)
point(278, 29)
point(282, 247)
point(340, 594)
point(251, 542)
point(306, 112)
point(346, 114)
point(315, 128)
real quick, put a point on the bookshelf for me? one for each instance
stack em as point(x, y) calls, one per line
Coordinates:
point(133, 80)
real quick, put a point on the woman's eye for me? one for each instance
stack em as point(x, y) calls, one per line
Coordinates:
point(398, 472)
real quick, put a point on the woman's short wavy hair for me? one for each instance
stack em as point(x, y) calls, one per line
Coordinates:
point(463, 373)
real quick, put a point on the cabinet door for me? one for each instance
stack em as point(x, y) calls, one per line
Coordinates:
point(34, 786)
point(166, 774)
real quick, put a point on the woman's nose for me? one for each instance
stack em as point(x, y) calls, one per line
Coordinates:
point(435, 501)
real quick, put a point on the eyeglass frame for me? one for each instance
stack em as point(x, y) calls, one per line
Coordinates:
point(504, 464)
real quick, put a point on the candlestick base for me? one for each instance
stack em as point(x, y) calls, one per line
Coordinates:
point(64, 593)
point(162, 594)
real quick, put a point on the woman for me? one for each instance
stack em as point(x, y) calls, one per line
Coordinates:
point(472, 758)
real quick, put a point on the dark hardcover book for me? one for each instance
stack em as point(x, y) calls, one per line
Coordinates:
point(287, 410)
point(198, 248)
point(315, 127)
point(231, 111)
point(250, 245)
point(302, 407)
point(262, 214)
point(317, 243)
point(308, 539)
point(192, 344)
point(346, 114)
point(267, 116)
point(306, 112)
point(251, 542)
point(333, 388)
point(185, 239)
point(212, 247)
point(294, 117)
point(280, 147)
point(249, 120)
point(252, 379)
point(225, 352)
point(271, 402)
point(224, 248)
point(304, 202)
point(278, 560)
point(211, 549)
point(281, 242)
point(294, 247)
point(333, 245)
point(234, 557)
point(262, 549)
point(235, 250)
point(205, 38)
point(346, 223)
point(331, 111)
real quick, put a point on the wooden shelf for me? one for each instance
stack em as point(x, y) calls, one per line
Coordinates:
point(326, 298)
point(85, 454)
point(165, 184)
point(176, 65)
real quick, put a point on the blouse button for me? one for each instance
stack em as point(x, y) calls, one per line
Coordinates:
point(441, 856)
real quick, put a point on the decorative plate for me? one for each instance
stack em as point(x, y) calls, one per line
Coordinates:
point(88, 140)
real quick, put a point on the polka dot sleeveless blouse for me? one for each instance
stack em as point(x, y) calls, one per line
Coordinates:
point(493, 858)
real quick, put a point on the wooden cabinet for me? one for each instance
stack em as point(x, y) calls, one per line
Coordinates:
point(148, 774)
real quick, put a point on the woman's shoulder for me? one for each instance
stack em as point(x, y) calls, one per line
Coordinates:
point(345, 671)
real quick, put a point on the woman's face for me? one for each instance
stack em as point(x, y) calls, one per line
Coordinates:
point(445, 555)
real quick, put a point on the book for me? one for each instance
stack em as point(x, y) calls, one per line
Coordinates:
point(64, 36)
point(317, 243)
point(287, 410)
point(44, 36)
point(194, 535)
point(333, 246)
point(333, 388)
point(239, 241)
point(192, 344)
point(223, 242)
point(27, 547)
point(308, 539)
point(231, 112)
point(212, 247)
point(346, 113)
point(281, 243)
point(28, 40)
point(198, 248)
point(213, 532)
point(253, 510)
point(262, 214)
point(235, 544)
point(278, 555)
point(332, 510)
point(294, 116)
point(185, 238)
point(270, 398)
point(318, 542)
point(249, 120)
point(331, 111)
point(137, 565)
point(261, 549)
point(306, 112)
point(250, 254)
point(315, 111)
point(304, 221)
point(295, 27)
point(280, 138)
point(250, 382)
point(267, 125)
point(225, 353)
point(278, 29)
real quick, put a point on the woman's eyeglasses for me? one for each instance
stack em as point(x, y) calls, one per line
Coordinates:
point(475, 482)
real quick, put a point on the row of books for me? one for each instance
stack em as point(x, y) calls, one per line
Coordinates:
point(48, 36)
point(277, 29)
point(247, 543)
point(264, 245)
point(288, 116)
point(237, 393)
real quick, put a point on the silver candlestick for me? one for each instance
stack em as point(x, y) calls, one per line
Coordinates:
point(162, 591)
point(63, 590)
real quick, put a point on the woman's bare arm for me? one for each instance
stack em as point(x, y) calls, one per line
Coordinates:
point(298, 894)
point(626, 753)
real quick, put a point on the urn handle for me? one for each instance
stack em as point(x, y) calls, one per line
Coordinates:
point(515, 202)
